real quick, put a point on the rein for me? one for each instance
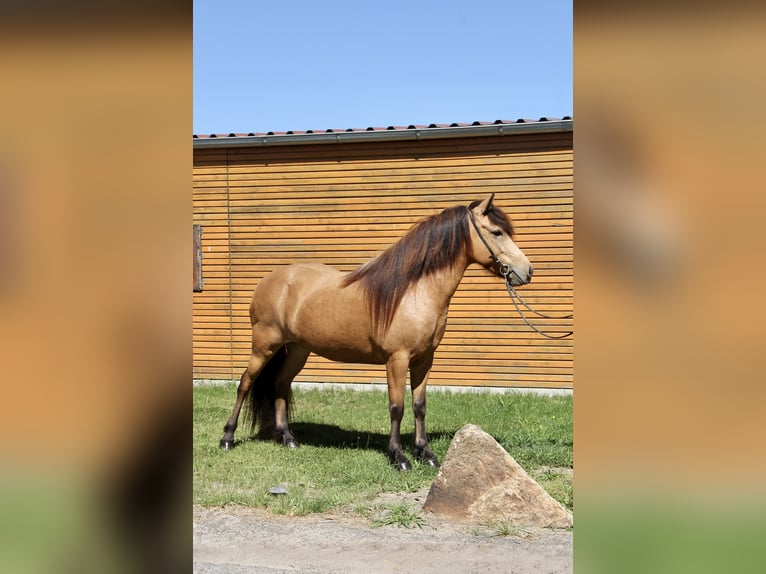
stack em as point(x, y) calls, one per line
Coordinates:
point(506, 271)
point(514, 295)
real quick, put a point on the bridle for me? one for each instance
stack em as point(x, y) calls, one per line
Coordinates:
point(506, 271)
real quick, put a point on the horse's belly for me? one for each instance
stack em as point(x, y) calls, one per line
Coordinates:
point(350, 340)
point(338, 341)
point(347, 354)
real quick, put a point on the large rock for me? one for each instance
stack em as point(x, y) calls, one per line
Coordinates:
point(480, 482)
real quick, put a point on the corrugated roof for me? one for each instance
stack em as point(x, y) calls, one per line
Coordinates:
point(382, 129)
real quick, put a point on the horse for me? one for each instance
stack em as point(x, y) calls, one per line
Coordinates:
point(391, 311)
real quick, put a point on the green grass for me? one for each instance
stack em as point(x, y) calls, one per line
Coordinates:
point(401, 514)
point(344, 434)
point(557, 483)
point(503, 528)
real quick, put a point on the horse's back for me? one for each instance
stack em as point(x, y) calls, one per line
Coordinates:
point(285, 284)
point(287, 290)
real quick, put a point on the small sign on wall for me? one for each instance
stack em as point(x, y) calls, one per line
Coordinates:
point(197, 245)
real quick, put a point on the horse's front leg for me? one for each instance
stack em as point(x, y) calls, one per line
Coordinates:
point(419, 371)
point(396, 373)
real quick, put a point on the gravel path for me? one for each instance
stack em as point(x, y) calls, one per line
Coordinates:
point(237, 540)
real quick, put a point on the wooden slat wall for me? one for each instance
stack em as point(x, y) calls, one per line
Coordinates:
point(212, 318)
point(342, 204)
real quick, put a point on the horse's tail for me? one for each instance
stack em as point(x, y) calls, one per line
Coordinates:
point(260, 403)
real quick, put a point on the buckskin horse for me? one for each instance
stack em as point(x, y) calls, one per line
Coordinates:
point(391, 311)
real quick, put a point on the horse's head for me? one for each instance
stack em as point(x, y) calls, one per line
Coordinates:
point(492, 242)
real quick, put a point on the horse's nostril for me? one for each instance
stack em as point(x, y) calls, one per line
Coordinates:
point(530, 273)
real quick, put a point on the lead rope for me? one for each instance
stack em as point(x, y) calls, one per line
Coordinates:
point(514, 295)
point(505, 271)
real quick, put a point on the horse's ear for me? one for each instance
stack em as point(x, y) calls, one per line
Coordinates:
point(486, 205)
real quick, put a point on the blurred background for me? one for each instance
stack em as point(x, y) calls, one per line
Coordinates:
point(668, 311)
point(95, 169)
point(95, 308)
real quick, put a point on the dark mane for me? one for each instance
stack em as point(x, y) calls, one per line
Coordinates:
point(430, 246)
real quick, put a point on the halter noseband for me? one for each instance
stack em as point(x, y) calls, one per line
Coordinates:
point(506, 271)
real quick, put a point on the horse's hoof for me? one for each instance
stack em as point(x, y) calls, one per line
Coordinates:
point(427, 457)
point(402, 465)
point(432, 462)
point(226, 444)
point(292, 443)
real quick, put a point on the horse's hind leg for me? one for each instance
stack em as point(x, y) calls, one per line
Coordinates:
point(257, 361)
point(296, 358)
point(266, 341)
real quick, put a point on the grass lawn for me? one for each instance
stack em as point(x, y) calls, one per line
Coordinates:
point(344, 434)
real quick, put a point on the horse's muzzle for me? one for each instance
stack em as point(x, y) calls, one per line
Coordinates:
point(517, 279)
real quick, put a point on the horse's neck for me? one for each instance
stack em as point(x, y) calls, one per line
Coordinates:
point(445, 282)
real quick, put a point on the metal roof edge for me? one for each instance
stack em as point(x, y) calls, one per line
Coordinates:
point(408, 134)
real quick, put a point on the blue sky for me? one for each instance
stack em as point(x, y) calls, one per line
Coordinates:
point(277, 65)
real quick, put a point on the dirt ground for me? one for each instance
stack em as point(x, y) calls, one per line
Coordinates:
point(237, 540)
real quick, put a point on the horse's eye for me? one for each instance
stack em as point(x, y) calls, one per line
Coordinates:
point(497, 232)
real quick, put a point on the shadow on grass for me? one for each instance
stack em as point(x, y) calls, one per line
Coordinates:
point(328, 435)
point(333, 436)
